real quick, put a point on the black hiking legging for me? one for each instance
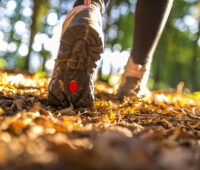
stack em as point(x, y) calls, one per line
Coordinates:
point(150, 19)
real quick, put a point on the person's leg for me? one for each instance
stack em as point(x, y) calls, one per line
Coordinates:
point(80, 48)
point(150, 19)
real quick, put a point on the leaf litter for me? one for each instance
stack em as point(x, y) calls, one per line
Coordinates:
point(159, 131)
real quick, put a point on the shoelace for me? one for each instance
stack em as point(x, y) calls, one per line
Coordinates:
point(87, 2)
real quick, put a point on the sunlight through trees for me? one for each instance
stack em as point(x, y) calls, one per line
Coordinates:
point(30, 33)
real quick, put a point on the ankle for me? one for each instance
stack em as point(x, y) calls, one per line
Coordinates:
point(100, 4)
point(134, 70)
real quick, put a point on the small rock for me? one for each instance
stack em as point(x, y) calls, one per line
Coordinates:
point(19, 104)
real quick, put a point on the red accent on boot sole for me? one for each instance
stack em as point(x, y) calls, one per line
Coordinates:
point(73, 86)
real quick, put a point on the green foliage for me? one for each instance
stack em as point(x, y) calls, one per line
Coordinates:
point(2, 63)
point(19, 62)
point(173, 59)
point(41, 74)
point(125, 25)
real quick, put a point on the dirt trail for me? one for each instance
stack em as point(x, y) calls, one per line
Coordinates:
point(160, 131)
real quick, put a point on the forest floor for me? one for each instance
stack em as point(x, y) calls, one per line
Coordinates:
point(159, 131)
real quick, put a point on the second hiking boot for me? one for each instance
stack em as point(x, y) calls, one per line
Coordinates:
point(134, 80)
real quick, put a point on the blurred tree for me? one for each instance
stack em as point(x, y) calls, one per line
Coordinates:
point(196, 52)
point(119, 23)
point(176, 56)
point(40, 10)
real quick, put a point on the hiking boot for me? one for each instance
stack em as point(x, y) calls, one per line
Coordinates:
point(134, 80)
point(80, 48)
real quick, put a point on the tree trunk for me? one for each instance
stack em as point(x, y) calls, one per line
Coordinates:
point(33, 31)
point(194, 62)
point(108, 13)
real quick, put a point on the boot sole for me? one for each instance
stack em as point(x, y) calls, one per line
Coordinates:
point(80, 49)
